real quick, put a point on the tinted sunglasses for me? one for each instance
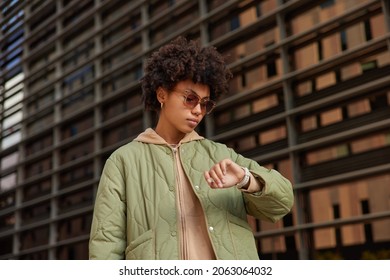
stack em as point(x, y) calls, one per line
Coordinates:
point(191, 100)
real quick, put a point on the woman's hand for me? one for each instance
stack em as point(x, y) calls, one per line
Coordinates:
point(224, 174)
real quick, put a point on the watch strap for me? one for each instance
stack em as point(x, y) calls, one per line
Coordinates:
point(244, 180)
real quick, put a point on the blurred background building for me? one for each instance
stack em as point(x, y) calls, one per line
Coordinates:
point(310, 97)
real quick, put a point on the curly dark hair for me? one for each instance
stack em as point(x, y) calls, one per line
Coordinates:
point(180, 60)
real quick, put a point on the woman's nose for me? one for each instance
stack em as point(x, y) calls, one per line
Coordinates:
point(197, 109)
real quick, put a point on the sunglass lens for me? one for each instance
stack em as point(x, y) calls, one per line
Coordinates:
point(192, 100)
point(209, 106)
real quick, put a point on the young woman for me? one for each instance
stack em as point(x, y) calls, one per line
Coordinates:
point(172, 194)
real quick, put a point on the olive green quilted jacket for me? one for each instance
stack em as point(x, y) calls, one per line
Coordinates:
point(135, 216)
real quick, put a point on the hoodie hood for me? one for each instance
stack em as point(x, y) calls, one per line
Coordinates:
point(150, 136)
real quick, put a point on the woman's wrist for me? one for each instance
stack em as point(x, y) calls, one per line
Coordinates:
point(245, 180)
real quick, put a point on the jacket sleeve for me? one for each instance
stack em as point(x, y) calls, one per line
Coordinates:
point(108, 230)
point(276, 198)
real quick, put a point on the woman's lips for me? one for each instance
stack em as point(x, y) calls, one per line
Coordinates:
point(192, 122)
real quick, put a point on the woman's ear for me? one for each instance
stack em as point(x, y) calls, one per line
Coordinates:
point(161, 95)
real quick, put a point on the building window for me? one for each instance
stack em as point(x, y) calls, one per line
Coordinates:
point(80, 33)
point(127, 51)
point(72, 129)
point(41, 81)
point(77, 79)
point(35, 213)
point(367, 30)
point(234, 22)
point(122, 105)
point(343, 37)
point(38, 167)
point(36, 190)
point(265, 103)
point(44, 14)
point(309, 123)
point(123, 132)
point(271, 69)
point(77, 251)
point(74, 227)
point(258, 10)
point(8, 182)
point(125, 78)
point(256, 42)
point(34, 237)
point(158, 7)
point(11, 139)
point(326, 4)
point(289, 239)
point(320, 51)
point(331, 116)
point(327, 154)
point(368, 231)
point(76, 175)
point(367, 66)
point(7, 200)
point(10, 160)
point(6, 245)
point(370, 143)
point(272, 135)
point(78, 56)
point(122, 29)
point(246, 143)
point(77, 11)
point(77, 151)
point(336, 215)
point(358, 108)
point(77, 101)
point(241, 15)
point(378, 102)
point(306, 56)
point(43, 37)
point(75, 200)
point(40, 102)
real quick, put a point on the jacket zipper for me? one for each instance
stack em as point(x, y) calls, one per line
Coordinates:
point(181, 219)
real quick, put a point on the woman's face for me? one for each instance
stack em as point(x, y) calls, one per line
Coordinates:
point(182, 110)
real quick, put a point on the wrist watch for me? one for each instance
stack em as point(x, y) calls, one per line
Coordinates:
point(244, 180)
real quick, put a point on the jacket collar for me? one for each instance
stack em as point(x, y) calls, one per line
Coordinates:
point(151, 137)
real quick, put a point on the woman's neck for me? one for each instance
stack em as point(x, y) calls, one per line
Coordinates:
point(168, 135)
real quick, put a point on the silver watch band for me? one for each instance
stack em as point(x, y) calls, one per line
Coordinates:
point(244, 180)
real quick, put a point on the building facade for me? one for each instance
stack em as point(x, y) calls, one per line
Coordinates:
point(310, 97)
